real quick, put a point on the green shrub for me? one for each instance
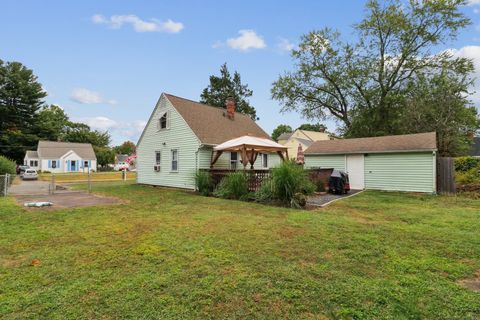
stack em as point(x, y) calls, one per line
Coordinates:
point(233, 186)
point(7, 166)
point(464, 164)
point(266, 192)
point(288, 179)
point(468, 177)
point(298, 201)
point(204, 183)
point(308, 187)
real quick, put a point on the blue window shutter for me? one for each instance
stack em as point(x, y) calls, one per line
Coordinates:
point(68, 165)
point(89, 164)
point(49, 164)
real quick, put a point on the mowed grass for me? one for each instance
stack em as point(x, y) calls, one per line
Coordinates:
point(169, 254)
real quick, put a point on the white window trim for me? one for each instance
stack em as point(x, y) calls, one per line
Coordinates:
point(167, 123)
point(155, 160)
point(233, 161)
point(265, 156)
point(171, 160)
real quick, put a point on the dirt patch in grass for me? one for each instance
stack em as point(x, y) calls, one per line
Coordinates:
point(289, 232)
point(471, 283)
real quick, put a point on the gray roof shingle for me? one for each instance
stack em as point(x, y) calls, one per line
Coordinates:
point(285, 136)
point(55, 150)
point(398, 143)
point(31, 154)
point(211, 125)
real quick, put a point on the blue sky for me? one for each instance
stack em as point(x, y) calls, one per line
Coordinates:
point(107, 62)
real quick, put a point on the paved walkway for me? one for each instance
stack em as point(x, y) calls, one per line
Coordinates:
point(38, 191)
point(325, 199)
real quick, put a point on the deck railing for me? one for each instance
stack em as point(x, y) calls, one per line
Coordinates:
point(256, 177)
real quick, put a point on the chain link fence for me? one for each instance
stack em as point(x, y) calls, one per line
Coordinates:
point(5, 183)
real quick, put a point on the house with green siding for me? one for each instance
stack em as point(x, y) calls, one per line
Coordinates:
point(179, 137)
point(393, 163)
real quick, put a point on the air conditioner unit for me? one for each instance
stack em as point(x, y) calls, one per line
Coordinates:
point(156, 168)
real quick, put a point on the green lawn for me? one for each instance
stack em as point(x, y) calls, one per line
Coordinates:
point(173, 254)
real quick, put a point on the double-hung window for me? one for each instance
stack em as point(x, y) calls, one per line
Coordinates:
point(174, 160)
point(158, 160)
point(54, 164)
point(264, 160)
point(233, 160)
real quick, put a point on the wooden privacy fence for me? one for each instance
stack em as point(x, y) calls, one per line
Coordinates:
point(445, 175)
point(256, 177)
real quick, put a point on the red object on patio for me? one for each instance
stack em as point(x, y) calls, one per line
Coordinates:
point(300, 155)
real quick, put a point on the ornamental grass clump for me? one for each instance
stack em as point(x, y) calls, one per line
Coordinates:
point(204, 183)
point(289, 183)
point(233, 186)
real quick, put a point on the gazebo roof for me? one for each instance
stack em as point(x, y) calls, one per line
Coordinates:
point(250, 142)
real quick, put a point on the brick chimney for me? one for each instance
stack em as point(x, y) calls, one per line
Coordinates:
point(230, 108)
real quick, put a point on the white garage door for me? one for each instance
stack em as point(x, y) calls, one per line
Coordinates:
point(356, 171)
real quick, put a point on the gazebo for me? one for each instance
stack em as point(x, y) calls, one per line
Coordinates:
point(249, 147)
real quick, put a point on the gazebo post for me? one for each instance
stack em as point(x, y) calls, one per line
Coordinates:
point(215, 158)
point(244, 157)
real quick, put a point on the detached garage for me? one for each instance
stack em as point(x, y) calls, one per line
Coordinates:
point(393, 163)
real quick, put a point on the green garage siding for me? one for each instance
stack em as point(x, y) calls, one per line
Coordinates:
point(400, 172)
point(336, 161)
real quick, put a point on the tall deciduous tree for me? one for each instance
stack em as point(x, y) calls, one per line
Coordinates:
point(312, 127)
point(439, 103)
point(369, 78)
point(224, 86)
point(21, 96)
point(52, 123)
point(79, 132)
point(127, 147)
point(281, 128)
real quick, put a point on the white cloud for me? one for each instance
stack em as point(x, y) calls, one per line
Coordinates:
point(85, 96)
point(119, 130)
point(471, 52)
point(100, 123)
point(139, 25)
point(473, 2)
point(285, 45)
point(247, 40)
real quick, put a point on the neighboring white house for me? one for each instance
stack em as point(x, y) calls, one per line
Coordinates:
point(393, 163)
point(62, 157)
point(179, 138)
